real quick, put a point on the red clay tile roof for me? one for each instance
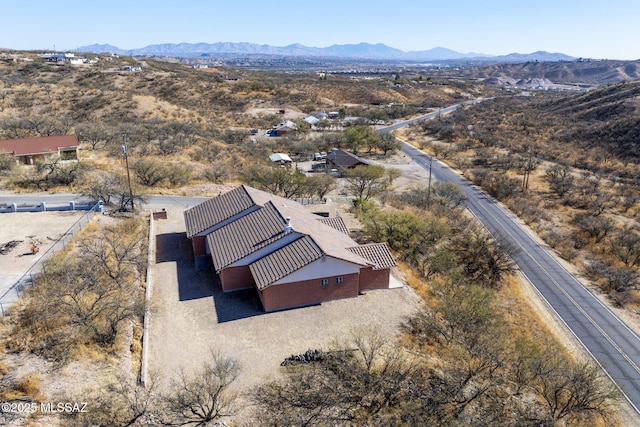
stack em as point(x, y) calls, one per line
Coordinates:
point(336, 223)
point(40, 145)
point(284, 261)
point(376, 253)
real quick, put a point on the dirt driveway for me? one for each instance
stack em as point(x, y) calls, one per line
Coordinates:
point(191, 315)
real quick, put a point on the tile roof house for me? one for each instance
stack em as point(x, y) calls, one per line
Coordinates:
point(293, 258)
point(31, 150)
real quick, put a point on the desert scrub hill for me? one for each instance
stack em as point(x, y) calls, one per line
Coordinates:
point(196, 121)
point(596, 130)
point(567, 165)
point(105, 93)
point(577, 72)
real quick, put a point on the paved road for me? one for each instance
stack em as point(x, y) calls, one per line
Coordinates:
point(433, 115)
point(612, 343)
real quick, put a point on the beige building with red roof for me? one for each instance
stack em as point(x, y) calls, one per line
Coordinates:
point(293, 258)
point(29, 151)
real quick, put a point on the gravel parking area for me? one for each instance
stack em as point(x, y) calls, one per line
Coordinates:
point(191, 315)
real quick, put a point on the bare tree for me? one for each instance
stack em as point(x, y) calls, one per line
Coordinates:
point(117, 251)
point(560, 180)
point(119, 403)
point(96, 135)
point(577, 393)
point(150, 172)
point(596, 226)
point(102, 185)
point(202, 396)
point(625, 245)
point(355, 383)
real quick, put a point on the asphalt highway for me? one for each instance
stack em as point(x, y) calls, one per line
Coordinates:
point(613, 345)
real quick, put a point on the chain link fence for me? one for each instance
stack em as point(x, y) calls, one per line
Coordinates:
point(13, 293)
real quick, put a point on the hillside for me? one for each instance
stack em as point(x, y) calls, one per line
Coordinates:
point(197, 120)
point(566, 72)
point(566, 164)
point(476, 354)
point(106, 91)
point(597, 129)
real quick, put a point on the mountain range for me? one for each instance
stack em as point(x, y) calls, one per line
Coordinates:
point(354, 51)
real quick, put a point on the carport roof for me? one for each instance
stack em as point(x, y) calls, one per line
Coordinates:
point(376, 253)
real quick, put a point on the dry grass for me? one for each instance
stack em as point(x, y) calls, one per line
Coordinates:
point(29, 386)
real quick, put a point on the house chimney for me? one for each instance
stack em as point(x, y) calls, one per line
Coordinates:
point(288, 227)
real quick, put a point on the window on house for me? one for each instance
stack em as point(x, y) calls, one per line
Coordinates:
point(324, 282)
point(339, 280)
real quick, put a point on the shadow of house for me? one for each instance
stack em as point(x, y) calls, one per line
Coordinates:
point(198, 284)
point(192, 284)
point(237, 305)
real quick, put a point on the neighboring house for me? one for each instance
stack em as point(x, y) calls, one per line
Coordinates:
point(341, 159)
point(280, 158)
point(34, 150)
point(285, 127)
point(292, 257)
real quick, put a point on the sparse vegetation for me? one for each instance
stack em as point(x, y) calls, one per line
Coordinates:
point(83, 297)
point(565, 163)
point(472, 356)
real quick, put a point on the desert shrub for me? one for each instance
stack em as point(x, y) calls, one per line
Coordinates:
point(178, 174)
point(150, 172)
point(7, 162)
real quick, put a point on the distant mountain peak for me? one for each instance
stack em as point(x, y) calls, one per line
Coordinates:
point(363, 50)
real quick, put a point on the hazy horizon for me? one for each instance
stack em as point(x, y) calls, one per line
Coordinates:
point(494, 27)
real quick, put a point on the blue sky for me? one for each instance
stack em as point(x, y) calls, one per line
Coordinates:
point(586, 28)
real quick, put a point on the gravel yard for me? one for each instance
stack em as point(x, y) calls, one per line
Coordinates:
point(41, 228)
point(191, 316)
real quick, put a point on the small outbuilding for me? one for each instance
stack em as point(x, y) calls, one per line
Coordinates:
point(280, 158)
point(285, 127)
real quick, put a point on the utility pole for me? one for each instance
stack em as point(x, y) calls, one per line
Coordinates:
point(126, 160)
point(429, 185)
